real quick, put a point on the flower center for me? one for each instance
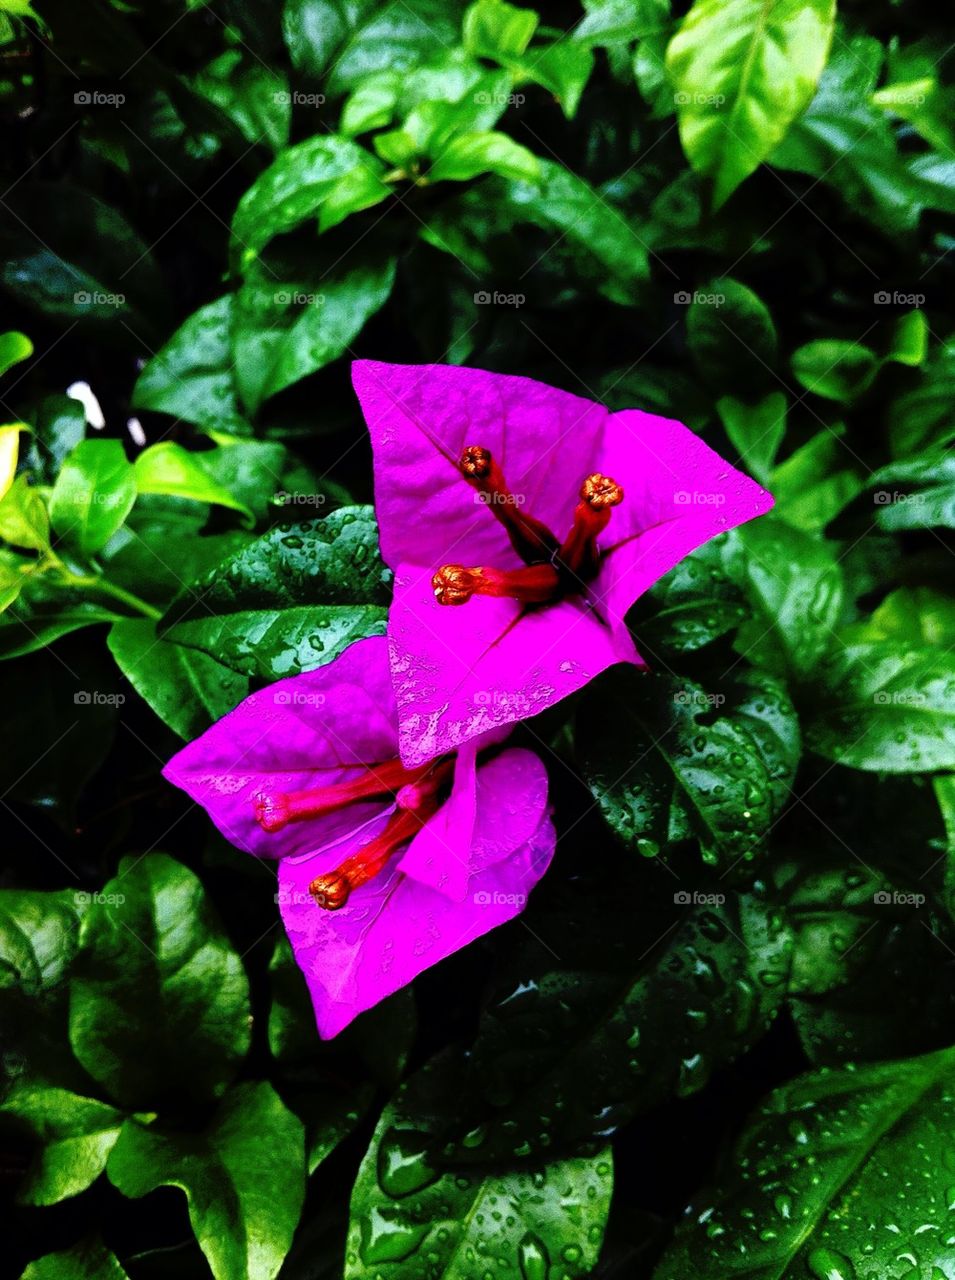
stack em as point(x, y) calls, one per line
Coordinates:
point(552, 569)
point(417, 795)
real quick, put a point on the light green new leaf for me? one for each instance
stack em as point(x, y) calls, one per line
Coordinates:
point(497, 30)
point(817, 480)
point(243, 1176)
point(472, 153)
point(23, 517)
point(835, 368)
point(14, 347)
point(742, 71)
point(170, 469)
point(93, 495)
point(73, 1137)
point(821, 1160)
point(755, 430)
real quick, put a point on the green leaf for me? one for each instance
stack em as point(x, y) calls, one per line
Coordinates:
point(243, 1177)
point(689, 607)
point(291, 601)
point(187, 689)
point(611, 21)
point(254, 96)
point(925, 105)
point(43, 612)
point(73, 1136)
point(410, 1221)
point(865, 1137)
point(922, 417)
point(473, 153)
point(191, 377)
point(93, 495)
point(945, 794)
point(23, 518)
point(168, 468)
point(294, 188)
point(743, 70)
point(648, 995)
point(496, 30)
point(886, 707)
point(286, 330)
point(667, 760)
point(85, 1261)
point(917, 493)
point(71, 256)
point(14, 347)
point(159, 1004)
point(755, 430)
point(732, 336)
point(845, 142)
point(835, 368)
point(817, 481)
point(795, 587)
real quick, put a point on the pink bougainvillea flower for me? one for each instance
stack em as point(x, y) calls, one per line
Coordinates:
point(383, 869)
point(522, 522)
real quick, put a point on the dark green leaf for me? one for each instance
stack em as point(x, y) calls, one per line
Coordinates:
point(291, 601)
point(243, 1176)
point(870, 1137)
point(835, 368)
point(187, 689)
point(88, 1261)
point(732, 337)
point(917, 493)
point(72, 1137)
point(160, 1003)
point(755, 430)
point(408, 1220)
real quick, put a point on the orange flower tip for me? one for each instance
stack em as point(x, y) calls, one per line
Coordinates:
point(475, 462)
point(272, 812)
point(600, 492)
point(453, 584)
point(331, 891)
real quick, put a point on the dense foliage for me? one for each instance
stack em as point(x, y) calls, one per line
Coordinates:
point(737, 974)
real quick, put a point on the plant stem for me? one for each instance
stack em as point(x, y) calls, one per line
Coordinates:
point(118, 593)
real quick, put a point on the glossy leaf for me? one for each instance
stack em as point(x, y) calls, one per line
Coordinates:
point(835, 368)
point(410, 1220)
point(85, 1261)
point(159, 1005)
point(870, 1136)
point(292, 600)
point(72, 1137)
point(243, 1176)
point(743, 72)
point(756, 431)
point(168, 468)
point(93, 495)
